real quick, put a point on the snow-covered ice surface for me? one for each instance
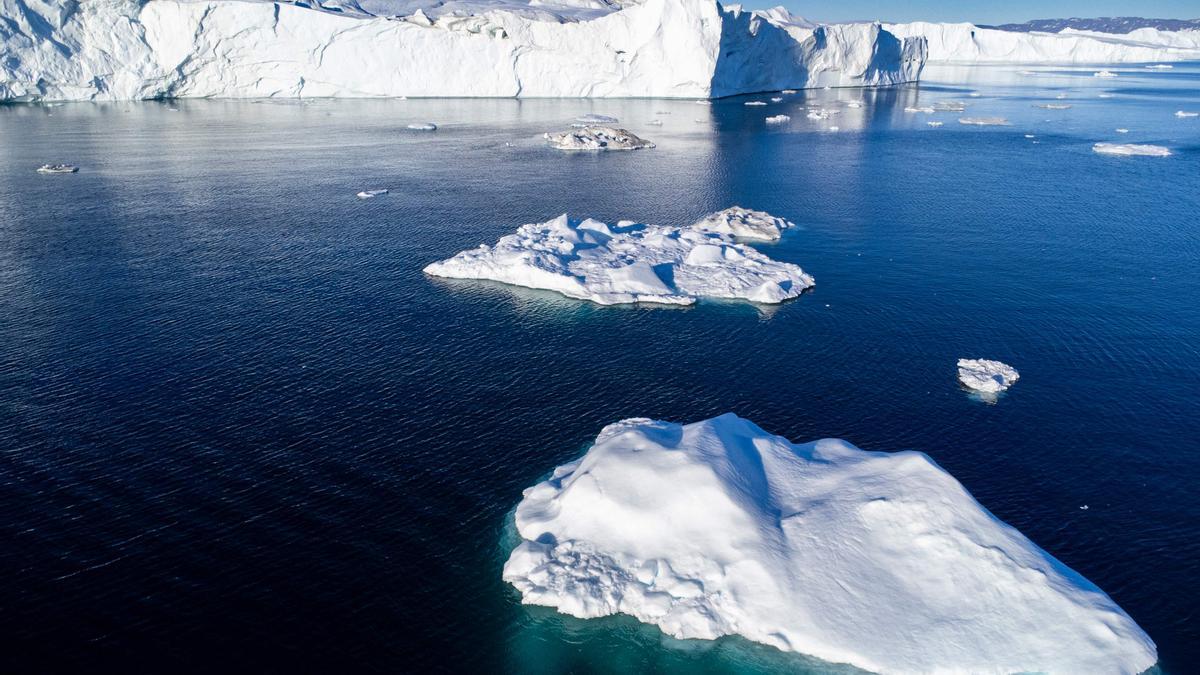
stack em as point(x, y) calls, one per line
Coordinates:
point(968, 43)
point(986, 376)
point(879, 560)
point(597, 138)
point(1131, 150)
point(143, 49)
point(633, 262)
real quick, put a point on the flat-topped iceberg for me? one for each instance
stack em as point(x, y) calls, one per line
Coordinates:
point(984, 121)
point(778, 119)
point(145, 49)
point(1131, 150)
point(879, 560)
point(633, 262)
point(986, 376)
point(968, 43)
point(597, 138)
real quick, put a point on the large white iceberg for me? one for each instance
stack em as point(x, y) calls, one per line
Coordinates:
point(139, 49)
point(879, 560)
point(597, 138)
point(986, 376)
point(968, 43)
point(632, 262)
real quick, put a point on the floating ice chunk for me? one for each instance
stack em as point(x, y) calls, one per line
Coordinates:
point(820, 114)
point(597, 138)
point(1030, 136)
point(755, 103)
point(1104, 95)
point(367, 194)
point(788, 91)
point(1131, 149)
point(632, 262)
point(423, 126)
point(834, 128)
point(655, 123)
point(983, 375)
point(743, 223)
point(1053, 106)
point(1122, 131)
point(776, 99)
point(974, 94)
point(1160, 66)
point(662, 112)
point(58, 168)
point(913, 109)
point(875, 559)
point(984, 121)
point(592, 119)
point(701, 101)
point(778, 119)
point(854, 104)
point(935, 124)
point(950, 106)
point(1185, 113)
point(1061, 96)
point(1104, 73)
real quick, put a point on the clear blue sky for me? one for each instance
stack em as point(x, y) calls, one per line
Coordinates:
point(979, 11)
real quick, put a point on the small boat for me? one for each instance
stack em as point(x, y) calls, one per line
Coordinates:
point(58, 168)
point(367, 194)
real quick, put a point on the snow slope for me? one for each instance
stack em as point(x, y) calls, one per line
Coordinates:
point(967, 43)
point(129, 49)
point(880, 560)
point(632, 262)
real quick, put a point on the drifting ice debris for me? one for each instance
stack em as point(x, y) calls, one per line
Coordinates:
point(935, 124)
point(597, 138)
point(984, 121)
point(821, 114)
point(655, 123)
point(592, 119)
point(755, 103)
point(367, 194)
point(778, 119)
point(854, 104)
point(423, 126)
point(1053, 106)
point(1030, 136)
point(1122, 131)
point(1061, 96)
point(632, 262)
point(925, 109)
point(1104, 73)
point(879, 560)
point(1104, 95)
point(1185, 113)
point(776, 99)
point(950, 106)
point(1131, 150)
point(983, 375)
point(1160, 66)
point(788, 91)
point(58, 168)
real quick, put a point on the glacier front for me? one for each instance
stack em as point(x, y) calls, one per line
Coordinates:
point(144, 49)
point(879, 560)
point(968, 43)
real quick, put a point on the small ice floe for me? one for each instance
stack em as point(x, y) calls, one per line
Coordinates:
point(1159, 66)
point(986, 376)
point(974, 94)
point(1122, 131)
point(755, 103)
point(776, 99)
point(1185, 113)
point(778, 119)
point(662, 112)
point(1026, 72)
point(1131, 150)
point(820, 114)
point(914, 109)
point(854, 104)
point(1030, 136)
point(592, 119)
point(1084, 507)
point(788, 91)
point(655, 123)
point(1104, 95)
point(950, 106)
point(597, 138)
point(935, 124)
point(636, 263)
point(701, 101)
point(984, 121)
point(58, 168)
point(423, 126)
point(367, 194)
point(834, 129)
point(1053, 106)
point(1104, 73)
point(1061, 96)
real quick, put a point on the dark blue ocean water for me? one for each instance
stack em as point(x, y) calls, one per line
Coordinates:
point(240, 429)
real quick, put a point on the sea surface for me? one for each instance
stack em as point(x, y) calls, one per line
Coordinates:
point(240, 429)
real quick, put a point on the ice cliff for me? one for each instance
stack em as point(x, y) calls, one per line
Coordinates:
point(129, 49)
point(875, 559)
point(967, 43)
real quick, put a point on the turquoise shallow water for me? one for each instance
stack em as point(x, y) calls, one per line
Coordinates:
point(241, 428)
